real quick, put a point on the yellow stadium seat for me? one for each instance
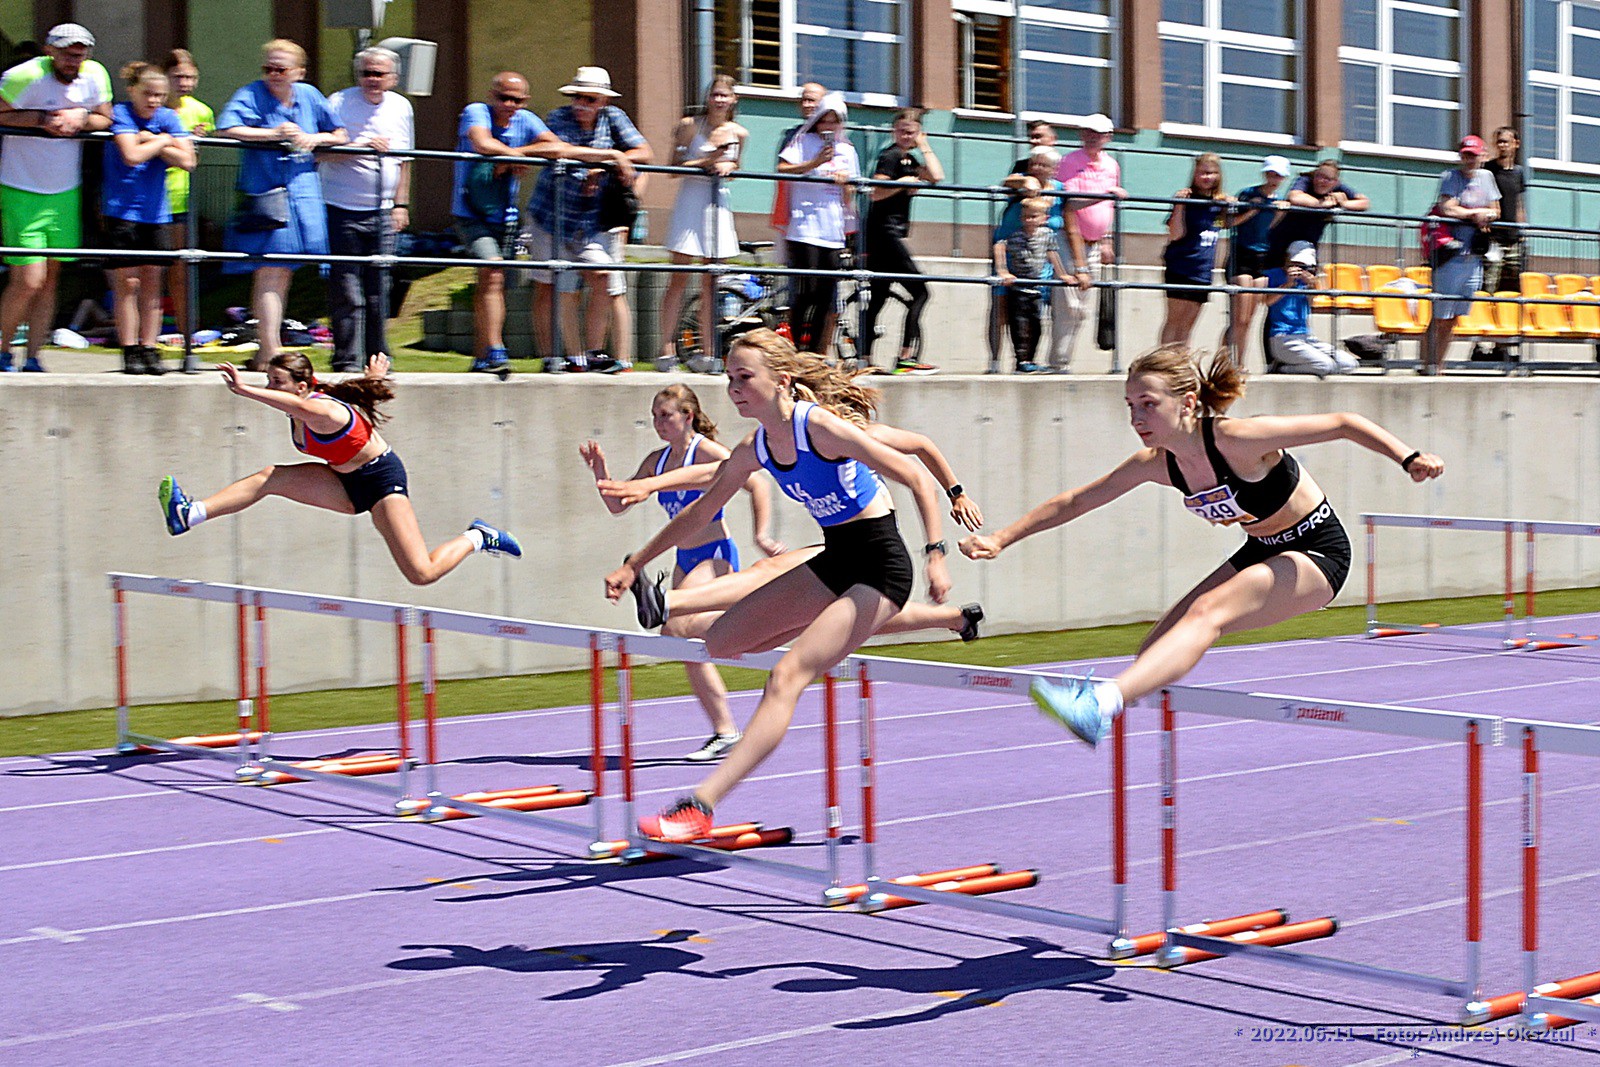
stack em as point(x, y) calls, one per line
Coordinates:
point(1507, 317)
point(1394, 315)
point(1381, 274)
point(1549, 318)
point(1585, 311)
point(1322, 302)
point(1477, 322)
point(1567, 284)
point(1350, 278)
point(1423, 276)
point(1535, 283)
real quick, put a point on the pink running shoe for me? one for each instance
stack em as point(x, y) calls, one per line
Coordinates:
point(688, 819)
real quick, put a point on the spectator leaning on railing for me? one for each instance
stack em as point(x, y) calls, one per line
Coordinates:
point(888, 224)
point(1190, 258)
point(283, 210)
point(483, 201)
point(1469, 195)
point(1319, 189)
point(63, 93)
point(147, 140)
point(369, 203)
point(599, 133)
point(817, 211)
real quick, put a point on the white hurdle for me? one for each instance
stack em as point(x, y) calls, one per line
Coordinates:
point(1472, 730)
point(1513, 632)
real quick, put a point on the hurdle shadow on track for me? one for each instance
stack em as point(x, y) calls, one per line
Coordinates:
point(618, 963)
point(971, 982)
point(79, 763)
point(578, 760)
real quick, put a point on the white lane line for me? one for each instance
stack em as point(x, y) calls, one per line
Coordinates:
point(35, 865)
point(266, 1000)
point(116, 796)
point(50, 933)
point(257, 909)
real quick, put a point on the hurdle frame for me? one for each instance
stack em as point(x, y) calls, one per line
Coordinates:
point(1539, 737)
point(253, 764)
point(1515, 632)
point(875, 669)
point(686, 650)
point(1422, 723)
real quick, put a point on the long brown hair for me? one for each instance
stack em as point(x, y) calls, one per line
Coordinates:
point(359, 392)
point(1217, 387)
point(815, 379)
point(689, 404)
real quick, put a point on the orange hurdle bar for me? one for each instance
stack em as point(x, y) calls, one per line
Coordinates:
point(849, 894)
point(537, 802)
point(972, 887)
point(1291, 934)
point(352, 766)
point(726, 842)
point(1145, 944)
point(1561, 1022)
point(483, 797)
point(206, 741)
point(1508, 1004)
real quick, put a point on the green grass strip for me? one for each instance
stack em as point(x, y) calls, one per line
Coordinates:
point(96, 728)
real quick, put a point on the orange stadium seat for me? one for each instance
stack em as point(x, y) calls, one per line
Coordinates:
point(1507, 317)
point(1381, 274)
point(1395, 315)
point(1535, 283)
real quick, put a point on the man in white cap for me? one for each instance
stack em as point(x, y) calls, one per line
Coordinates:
point(1290, 347)
point(603, 135)
point(1247, 251)
point(63, 93)
point(1090, 169)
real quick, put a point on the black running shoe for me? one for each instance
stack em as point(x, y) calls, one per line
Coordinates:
point(650, 601)
point(971, 616)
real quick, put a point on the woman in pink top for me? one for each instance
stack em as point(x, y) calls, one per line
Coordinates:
point(1088, 170)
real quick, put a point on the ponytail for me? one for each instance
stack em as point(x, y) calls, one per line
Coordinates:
point(815, 379)
point(1216, 388)
point(361, 392)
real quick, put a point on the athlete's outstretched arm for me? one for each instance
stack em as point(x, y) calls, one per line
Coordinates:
point(963, 508)
point(322, 415)
point(1143, 466)
point(594, 457)
point(1268, 432)
point(642, 485)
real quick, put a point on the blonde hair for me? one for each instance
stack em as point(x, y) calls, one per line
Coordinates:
point(1039, 205)
point(283, 44)
point(688, 403)
point(1199, 161)
point(136, 73)
point(814, 378)
point(1217, 387)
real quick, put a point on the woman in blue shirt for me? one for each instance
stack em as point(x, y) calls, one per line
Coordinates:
point(282, 111)
point(1191, 253)
point(146, 138)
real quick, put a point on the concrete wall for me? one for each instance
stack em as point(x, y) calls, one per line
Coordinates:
point(83, 456)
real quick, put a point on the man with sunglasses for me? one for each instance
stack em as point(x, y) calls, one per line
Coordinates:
point(484, 200)
point(63, 93)
point(601, 134)
point(369, 202)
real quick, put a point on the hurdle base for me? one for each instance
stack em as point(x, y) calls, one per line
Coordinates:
point(1144, 944)
point(848, 894)
point(1175, 954)
point(982, 885)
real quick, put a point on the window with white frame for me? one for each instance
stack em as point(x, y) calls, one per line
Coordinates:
point(857, 47)
point(1401, 61)
point(1047, 58)
point(1231, 66)
point(1563, 102)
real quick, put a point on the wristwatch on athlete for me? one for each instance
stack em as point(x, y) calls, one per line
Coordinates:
point(935, 546)
point(954, 492)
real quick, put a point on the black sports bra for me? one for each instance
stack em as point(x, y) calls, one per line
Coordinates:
point(1235, 500)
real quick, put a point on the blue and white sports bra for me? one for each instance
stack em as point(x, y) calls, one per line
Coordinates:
point(673, 501)
point(833, 490)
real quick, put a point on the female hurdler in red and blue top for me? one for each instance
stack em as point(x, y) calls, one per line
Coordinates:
point(336, 424)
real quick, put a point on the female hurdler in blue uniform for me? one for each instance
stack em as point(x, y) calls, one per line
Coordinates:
point(690, 438)
point(1231, 471)
point(827, 608)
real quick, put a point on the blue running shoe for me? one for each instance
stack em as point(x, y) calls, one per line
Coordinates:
point(497, 541)
point(174, 505)
point(6, 365)
point(33, 366)
point(1073, 705)
point(493, 361)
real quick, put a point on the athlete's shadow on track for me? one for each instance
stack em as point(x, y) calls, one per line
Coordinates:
point(89, 763)
point(618, 963)
point(986, 980)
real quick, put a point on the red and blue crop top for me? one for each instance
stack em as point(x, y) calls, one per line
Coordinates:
point(334, 448)
point(1235, 500)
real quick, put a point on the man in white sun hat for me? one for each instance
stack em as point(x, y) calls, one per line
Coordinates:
point(604, 136)
point(63, 93)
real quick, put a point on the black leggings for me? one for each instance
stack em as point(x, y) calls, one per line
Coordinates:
point(811, 298)
point(1025, 319)
point(888, 253)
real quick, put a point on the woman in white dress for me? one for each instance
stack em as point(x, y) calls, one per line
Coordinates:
point(702, 227)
